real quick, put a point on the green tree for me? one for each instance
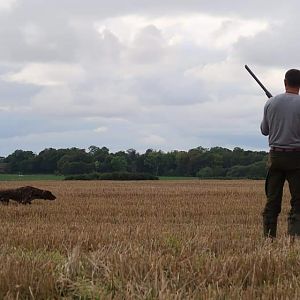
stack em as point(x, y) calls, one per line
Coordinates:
point(118, 163)
point(101, 158)
point(132, 158)
point(46, 161)
point(73, 158)
point(76, 167)
point(168, 164)
point(153, 160)
point(206, 172)
point(21, 161)
point(182, 160)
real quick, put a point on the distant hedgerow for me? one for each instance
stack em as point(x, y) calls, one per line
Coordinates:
point(112, 176)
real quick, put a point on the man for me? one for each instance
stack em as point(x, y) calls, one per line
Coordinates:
point(281, 122)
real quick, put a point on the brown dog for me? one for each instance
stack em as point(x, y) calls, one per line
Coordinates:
point(25, 195)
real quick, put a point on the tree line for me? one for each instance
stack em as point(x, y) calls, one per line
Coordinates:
point(216, 162)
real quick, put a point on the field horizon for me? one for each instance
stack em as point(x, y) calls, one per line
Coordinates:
point(145, 240)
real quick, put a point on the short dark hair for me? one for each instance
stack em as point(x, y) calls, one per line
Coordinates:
point(292, 78)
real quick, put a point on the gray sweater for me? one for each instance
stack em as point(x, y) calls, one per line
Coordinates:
point(281, 121)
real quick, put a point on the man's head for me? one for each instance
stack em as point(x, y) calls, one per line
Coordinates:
point(292, 79)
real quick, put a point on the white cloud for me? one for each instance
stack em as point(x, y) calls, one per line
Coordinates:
point(47, 74)
point(223, 72)
point(231, 30)
point(202, 29)
point(53, 101)
point(66, 101)
point(275, 47)
point(101, 129)
point(148, 46)
point(7, 5)
point(33, 34)
point(4, 108)
point(166, 74)
point(153, 140)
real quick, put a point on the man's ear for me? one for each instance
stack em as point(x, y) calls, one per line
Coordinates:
point(285, 82)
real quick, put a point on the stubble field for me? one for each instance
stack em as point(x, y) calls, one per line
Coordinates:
point(145, 240)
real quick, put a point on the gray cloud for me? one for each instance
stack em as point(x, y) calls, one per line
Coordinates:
point(101, 8)
point(165, 74)
point(275, 47)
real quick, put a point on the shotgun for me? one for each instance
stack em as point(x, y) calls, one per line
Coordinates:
point(269, 95)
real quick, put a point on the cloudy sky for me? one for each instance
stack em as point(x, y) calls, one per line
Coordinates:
point(161, 74)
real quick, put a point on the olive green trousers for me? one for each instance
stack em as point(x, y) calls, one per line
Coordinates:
point(282, 166)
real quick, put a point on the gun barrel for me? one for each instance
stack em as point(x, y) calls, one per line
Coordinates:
point(269, 95)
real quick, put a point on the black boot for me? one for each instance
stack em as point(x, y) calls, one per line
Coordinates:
point(294, 225)
point(270, 227)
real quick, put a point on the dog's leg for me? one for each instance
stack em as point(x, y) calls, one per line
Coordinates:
point(4, 200)
point(26, 201)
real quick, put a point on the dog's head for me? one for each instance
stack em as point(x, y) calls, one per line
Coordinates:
point(47, 195)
